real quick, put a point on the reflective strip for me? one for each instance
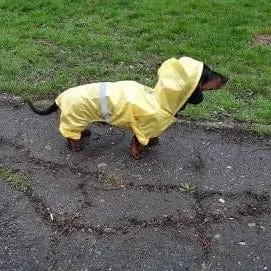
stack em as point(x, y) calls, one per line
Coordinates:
point(103, 103)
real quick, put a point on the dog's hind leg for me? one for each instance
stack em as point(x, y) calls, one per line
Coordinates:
point(85, 133)
point(74, 145)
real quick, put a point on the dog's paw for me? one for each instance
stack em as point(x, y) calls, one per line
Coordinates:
point(74, 145)
point(136, 149)
point(136, 156)
point(135, 153)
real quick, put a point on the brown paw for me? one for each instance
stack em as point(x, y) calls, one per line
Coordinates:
point(135, 148)
point(74, 145)
point(135, 154)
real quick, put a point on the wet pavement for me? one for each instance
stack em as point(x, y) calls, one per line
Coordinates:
point(200, 200)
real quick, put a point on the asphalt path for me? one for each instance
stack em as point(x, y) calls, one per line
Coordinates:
point(200, 200)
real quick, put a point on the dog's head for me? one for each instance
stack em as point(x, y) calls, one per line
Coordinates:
point(182, 81)
point(209, 80)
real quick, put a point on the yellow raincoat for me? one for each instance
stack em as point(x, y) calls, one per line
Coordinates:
point(145, 111)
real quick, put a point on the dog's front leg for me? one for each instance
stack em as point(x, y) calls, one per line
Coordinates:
point(135, 148)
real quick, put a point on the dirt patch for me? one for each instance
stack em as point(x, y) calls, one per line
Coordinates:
point(44, 42)
point(10, 100)
point(263, 39)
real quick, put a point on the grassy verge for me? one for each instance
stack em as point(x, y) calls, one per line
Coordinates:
point(47, 46)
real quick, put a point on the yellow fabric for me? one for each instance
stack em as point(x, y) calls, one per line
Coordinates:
point(177, 79)
point(145, 111)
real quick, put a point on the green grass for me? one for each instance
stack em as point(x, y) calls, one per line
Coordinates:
point(188, 188)
point(260, 129)
point(48, 46)
point(16, 180)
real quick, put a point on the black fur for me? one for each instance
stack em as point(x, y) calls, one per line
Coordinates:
point(47, 111)
point(209, 75)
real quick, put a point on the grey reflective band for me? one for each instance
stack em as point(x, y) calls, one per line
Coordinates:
point(103, 103)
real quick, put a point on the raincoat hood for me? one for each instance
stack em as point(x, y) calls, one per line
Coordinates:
point(177, 79)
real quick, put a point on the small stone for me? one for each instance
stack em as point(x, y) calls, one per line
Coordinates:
point(107, 230)
point(251, 225)
point(217, 236)
point(102, 165)
point(265, 268)
point(204, 266)
point(221, 201)
point(48, 148)
point(228, 167)
point(242, 243)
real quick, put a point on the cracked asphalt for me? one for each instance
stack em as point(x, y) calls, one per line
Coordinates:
point(101, 210)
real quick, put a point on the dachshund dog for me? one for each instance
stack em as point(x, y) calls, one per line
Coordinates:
point(206, 80)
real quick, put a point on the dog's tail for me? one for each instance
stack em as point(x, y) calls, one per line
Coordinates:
point(46, 111)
